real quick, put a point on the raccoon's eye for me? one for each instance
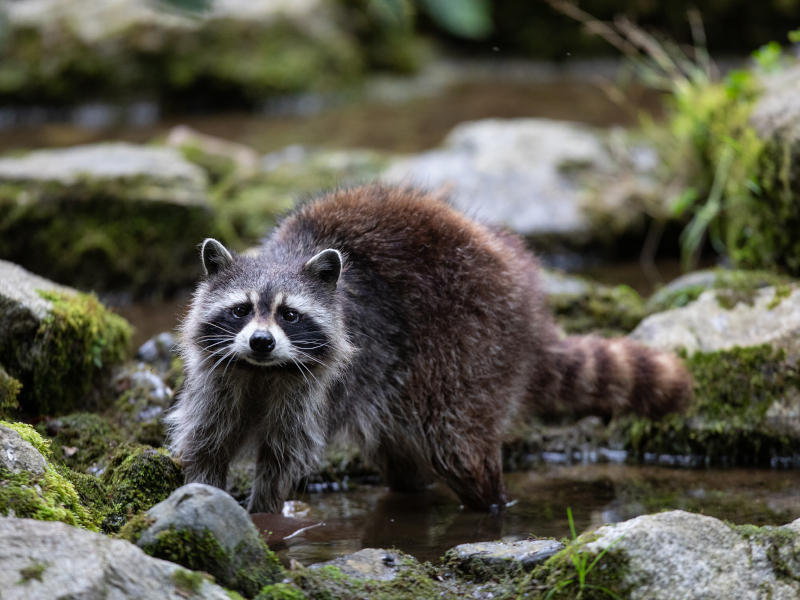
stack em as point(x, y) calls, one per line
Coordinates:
point(291, 316)
point(240, 311)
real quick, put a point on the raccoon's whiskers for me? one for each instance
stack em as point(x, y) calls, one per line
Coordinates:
point(301, 371)
point(219, 327)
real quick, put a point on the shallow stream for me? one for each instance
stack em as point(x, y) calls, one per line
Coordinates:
point(426, 524)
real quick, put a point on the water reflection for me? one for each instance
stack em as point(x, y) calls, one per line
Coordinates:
point(426, 524)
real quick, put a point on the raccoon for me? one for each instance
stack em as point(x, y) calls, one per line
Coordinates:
point(385, 316)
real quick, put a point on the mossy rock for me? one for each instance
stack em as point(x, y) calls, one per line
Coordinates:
point(227, 59)
point(106, 217)
point(732, 285)
point(204, 528)
point(742, 412)
point(46, 496)
point(609, 311)
point(58, 343)
point(137, 478)
point(82, 441)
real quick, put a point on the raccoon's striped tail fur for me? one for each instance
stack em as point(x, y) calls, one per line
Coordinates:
point(610, 377)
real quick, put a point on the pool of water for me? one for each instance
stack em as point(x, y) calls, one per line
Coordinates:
point(426, 524)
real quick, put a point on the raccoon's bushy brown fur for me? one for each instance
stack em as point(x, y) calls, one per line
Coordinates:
point(439, 337)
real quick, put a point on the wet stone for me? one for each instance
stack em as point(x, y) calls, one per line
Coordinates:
point(370, 563)
point(503, 556)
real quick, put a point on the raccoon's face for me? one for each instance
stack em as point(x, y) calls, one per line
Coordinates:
point(267, 315)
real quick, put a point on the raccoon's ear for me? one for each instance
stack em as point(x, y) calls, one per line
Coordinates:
point(325, 266)
point(215, 256)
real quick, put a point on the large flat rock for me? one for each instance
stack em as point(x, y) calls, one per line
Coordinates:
point(707, 325)
point(532, 175)
point(43, 560)
point(150, 173)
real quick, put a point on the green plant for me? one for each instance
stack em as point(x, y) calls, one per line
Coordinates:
point(580, 560)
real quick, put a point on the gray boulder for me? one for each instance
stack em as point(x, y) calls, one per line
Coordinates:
point(538, 176)
point(710, 324)
point(683, 556)
point(42, 560)
point(17, 455)
point(216, 535)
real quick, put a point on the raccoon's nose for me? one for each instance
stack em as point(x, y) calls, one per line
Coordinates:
point(262, 341)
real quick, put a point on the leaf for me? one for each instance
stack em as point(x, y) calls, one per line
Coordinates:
point(463, 18)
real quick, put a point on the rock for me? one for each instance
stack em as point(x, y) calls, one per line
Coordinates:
point(136, 214)
point(234, 50)
point(17, 455)
point(149, 173)
point(194, 143)
point(204, 528)
point(488, 559)
point(533, 175)
point(739, 284)
point(706, 326)
point(59, 344)
point(138, 477)
point(678, 555)
point(371, 563)
point(54, 560)
point(30, 486)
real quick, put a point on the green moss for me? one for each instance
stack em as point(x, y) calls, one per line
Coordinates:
point(30, 435)
point(103, 235)
point(49, 497)
point(781, 546)
point(64, 359)
point(247, 569)
point(34, 571)
point(93, 437)
point(281, 591)
point(609, 573)
point(137, 478)
point(132, 530)
point(781, 293)
point(411, 583)
point(187, 581)
point(9, 390)
point(609, 311)
point(727, 420)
